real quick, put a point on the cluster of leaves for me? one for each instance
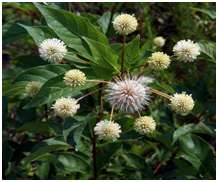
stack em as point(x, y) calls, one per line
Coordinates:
point(37, 145)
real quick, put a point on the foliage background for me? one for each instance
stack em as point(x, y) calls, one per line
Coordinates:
point(183, 147)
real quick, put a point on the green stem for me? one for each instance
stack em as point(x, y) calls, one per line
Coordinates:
point(123, 54)
point(100, 115)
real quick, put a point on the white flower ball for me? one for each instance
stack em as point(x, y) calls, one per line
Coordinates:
point(145, 125)
point(128, 95)
point(32, 88)
point(159, 41)
point(74, 78)
point(182, 103)
point(65, 107)
point(125, 24)
point(107, 130)
point(186, 50)
point(52, 50)
point(159, 61)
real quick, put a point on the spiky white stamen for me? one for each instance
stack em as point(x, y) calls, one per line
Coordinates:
point(128, 95)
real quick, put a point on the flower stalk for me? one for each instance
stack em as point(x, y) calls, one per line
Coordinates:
point(123, 54)
point(160, 93)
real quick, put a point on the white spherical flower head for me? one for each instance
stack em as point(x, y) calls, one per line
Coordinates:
point(159, 41)
point(186, 50)
point(125, 24)
point(107, 130)
point(182, 103)
point(145, 125)
point(65, 107)
point(52, 50)
point(128, 95)
point(159, 61)
point(32, 88)
point(74, 78)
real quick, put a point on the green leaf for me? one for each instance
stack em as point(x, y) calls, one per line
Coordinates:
point(103, 57)
point(208, 49)
point(28, 61)
point(132, 51)
point(193, 159)
point(42, 73)
point(211, 13)
point(39, 33)
point(72, 131)
point(69, 162)
point(36, 127)
point(104, 21)
point(13, 33)
point(43, 151)
point(105, 152)
point(43, 170)
point(70, 27)
point(55, 88)
point(191, 128)
point(195, 149)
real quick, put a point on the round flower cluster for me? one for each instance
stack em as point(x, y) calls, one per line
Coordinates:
point(181, 103)
point(159, 41)
point(107, 130)
point(65, 107)
point(74, 78)
point(52, 50)
point(159, 61)
point(128, 95)
point(186, 50)
point(32, 88)
point(125, 24)
point(145, 125)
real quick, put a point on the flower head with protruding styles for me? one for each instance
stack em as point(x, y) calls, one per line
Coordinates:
point(125, 24)
point(182, 103)
point(65, 107)
point(74, 78)
point(145, 125)
point(159, 61)
point(128, 95)
point(159, 41)
point(107, 130)
point(52, 50)
point(186, 50)
point(32, 88)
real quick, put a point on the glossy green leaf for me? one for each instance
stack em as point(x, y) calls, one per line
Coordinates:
point(191, 128)
point(43, 151)
point(72, 131)
point(69, 162)
point(104, 21)
point(39, 33)
point(41, 73)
